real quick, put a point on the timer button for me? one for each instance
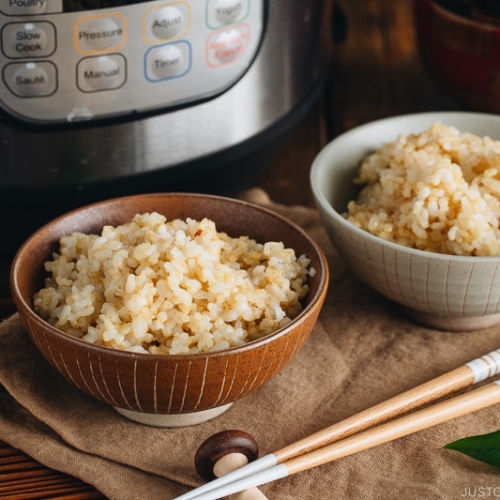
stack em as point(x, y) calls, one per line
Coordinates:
point(23, 40)
point(100, 34)
point(31, 79)
point(101, 73)
point(168, 61)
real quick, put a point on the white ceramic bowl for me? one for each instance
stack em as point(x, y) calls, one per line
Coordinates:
point(447, 292)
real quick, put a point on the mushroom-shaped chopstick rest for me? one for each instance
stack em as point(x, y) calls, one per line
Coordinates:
point(224, 452)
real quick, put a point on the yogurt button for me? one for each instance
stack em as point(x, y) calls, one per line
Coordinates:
point(167, 22)
point(226, 11)
point(167, 61)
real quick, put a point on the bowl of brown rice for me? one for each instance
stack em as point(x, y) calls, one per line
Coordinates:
point(172, 306)
point(412, 203)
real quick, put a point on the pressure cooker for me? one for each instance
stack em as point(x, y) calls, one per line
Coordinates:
point(101, 98)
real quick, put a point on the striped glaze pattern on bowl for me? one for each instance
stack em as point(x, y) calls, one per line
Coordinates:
point(173, 390)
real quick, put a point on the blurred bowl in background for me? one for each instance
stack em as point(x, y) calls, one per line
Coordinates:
point(168, 390)
point(461, 51)
point(448, 292)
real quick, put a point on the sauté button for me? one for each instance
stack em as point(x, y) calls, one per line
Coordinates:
point(31, 79)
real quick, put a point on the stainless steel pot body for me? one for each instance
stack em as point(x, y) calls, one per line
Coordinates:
point(289, 66)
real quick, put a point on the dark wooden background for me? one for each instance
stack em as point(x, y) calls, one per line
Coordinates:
point(376, 72)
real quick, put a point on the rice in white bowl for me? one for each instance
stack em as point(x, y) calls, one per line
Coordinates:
point(438, 191)
point(171, 287)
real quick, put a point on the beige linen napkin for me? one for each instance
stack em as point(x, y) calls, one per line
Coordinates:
point(362, 351)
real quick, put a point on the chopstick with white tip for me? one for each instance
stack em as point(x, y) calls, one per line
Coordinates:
point(409, 424)
point(466, 375)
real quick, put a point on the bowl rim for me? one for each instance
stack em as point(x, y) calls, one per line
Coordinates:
point(321, 161)
point(26, 308)
point(469, 22)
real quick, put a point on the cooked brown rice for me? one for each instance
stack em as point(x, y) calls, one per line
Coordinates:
point(438, 190)
point(171, 287)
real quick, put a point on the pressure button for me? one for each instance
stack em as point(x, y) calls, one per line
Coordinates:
point(100, 34)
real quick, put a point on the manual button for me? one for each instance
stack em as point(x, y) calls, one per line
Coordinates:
point(101, 73)
point(28, 40)
point(31, 79)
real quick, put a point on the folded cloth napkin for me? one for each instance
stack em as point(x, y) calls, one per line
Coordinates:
point(362, 351)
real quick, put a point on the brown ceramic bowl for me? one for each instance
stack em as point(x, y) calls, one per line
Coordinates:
point(461, 52)
point(168, 390)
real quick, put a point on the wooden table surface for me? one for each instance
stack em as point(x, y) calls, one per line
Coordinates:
point(376, 72)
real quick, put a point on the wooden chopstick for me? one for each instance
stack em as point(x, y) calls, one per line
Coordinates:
point(408, 424)
point(466, 375)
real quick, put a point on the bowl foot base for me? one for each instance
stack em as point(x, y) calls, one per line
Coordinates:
point(451, 323)
point(173, 420)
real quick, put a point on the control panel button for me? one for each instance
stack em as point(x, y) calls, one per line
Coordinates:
point(96, 60)
point(166, 22)
point(223, 12)
point(101, 73)
point(30, 7)
point(31, 79)
point(28, 40)
point(227, 11)
point(168, 61)
point(227, 46)
point(100, 33)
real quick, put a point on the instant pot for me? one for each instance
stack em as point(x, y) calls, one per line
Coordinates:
point(103, 98)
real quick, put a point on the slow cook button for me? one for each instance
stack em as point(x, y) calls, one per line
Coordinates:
point(101, 73)
point(31, 79)
point(167, 61)
point(100, 34)
point(27, 40)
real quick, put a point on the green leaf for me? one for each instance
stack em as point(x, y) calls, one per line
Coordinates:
point(484, 447)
